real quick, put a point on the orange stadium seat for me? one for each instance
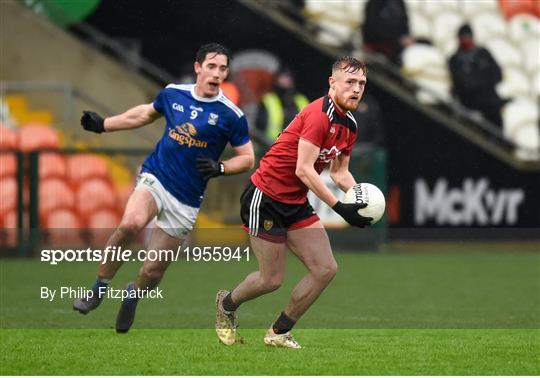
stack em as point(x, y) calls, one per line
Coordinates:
point(9, 220)
point(104, 218)
point(255, 83)
point(8, 223)
point(8, 165)
point(122, 196)
point(512, 7)
point(82, 167)
point(54, 194)
point(94, 194)
point(36, 137)
point(101, 224)
point(8, 138)
point(63, 227)
point(231, 91)
point(62, 218)
point(8, 194)
point(52, 164)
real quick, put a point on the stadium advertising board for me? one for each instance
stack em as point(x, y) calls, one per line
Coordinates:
point(439, 179)
point(488, 194)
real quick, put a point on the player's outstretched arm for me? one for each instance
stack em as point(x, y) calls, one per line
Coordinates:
point(340, 174)
point(133, 118)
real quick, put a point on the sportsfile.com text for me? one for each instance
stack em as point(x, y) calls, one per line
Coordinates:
point(196, 254)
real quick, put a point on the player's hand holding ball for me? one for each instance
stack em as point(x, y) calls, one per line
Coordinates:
point(351, 213)
point(91, 121)
point(370, 197)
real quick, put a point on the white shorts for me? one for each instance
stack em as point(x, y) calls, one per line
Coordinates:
point(173, 217)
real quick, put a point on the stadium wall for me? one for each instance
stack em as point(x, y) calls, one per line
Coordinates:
point(438, 181)
point(35, 50)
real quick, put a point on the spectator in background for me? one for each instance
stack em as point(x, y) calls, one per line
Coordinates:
point(386, 28)
point(474, 76)
point(279, 107)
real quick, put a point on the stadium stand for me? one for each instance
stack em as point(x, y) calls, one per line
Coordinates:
point(52, 164)
point(37, 137)
point(75, 190)
point(84, 166)
point(515, 83)
point(8, 165)
point(8, 138)
point(337, 19)
point(487, 25)
point(445, 26)
point(521, 126)
point(62, 227)
point(231, 91)
point(420, 25)
point(8, 223)
point(92, 195)
point(522, 26)
point(504, 51)
point(509, 29)
point(55, 193)
point(535, 90)
point(8, 194)
point(530, 48)
point(19, 110)
point(510, 8)
point(122, 196)
point(252, 71)
point(426, 65)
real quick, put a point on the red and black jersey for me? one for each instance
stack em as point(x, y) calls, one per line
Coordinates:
point(321, 124)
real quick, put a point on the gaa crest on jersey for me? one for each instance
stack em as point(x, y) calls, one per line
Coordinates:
point(268, 223)
point(212, 119)
point(178, 107)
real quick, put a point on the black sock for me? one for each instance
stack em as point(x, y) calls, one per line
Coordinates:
point(283, 324)
point(228, 304)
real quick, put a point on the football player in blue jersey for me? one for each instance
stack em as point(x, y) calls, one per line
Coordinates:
point(201, 121)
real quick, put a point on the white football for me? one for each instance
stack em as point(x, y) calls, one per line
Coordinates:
point(370, 194)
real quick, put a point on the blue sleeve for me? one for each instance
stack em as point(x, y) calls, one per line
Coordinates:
point(240, 134)
point(160, 101)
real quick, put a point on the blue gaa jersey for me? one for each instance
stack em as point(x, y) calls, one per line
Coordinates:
point(196, 126)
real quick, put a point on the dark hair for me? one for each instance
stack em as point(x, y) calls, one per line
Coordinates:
point(349, 64)
point(212, 48)
point(465, 30)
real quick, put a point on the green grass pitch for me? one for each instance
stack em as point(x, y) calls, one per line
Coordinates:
point(474, 311)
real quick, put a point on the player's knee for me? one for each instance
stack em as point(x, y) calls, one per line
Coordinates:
point(152, 273)
point(131, 225)
point(272, 283)
point(326, 272)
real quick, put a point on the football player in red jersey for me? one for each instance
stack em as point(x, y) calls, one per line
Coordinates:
point(276, 212)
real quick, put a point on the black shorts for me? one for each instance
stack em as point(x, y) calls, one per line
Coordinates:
point(269, 219)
